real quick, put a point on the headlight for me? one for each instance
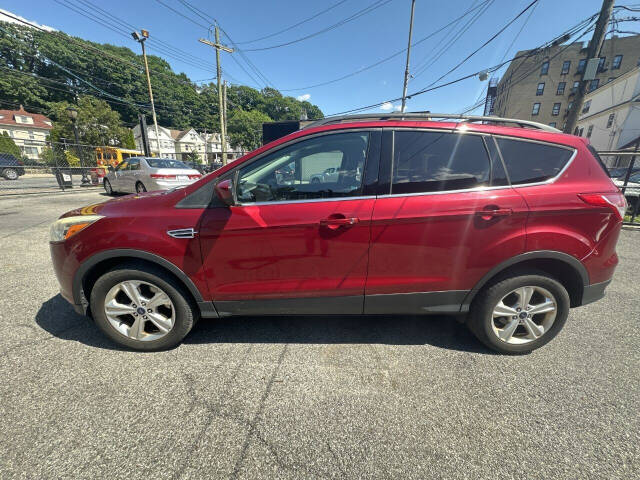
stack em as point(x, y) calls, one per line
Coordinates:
point(69, 226)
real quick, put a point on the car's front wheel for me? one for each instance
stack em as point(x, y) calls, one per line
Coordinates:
point(140, 188)
point(107, 186)
point(10, 174)
point(520, 313)
point(140, 307)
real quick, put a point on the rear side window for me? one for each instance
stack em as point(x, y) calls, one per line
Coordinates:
point(529, 162)
point(438, 161)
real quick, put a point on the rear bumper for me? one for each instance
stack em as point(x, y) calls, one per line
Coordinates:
point(595, 292)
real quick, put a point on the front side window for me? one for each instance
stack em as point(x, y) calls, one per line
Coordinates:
point(556, 109)
point(561, 86)
point(565, 67)
point(134, 164)
point(536, 109)
point(545, 68)
point(426, 162)
point(529, 162)
point(617, 61)
point(122, 166)
point(328, 166)
point(540, 89)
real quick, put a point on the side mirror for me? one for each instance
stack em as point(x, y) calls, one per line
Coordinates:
point(224, 191)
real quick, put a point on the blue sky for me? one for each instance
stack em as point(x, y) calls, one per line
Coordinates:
point(340, 51)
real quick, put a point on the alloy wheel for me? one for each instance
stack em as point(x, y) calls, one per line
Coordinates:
point(139, 310)
point(524, 315)
point(10, 174)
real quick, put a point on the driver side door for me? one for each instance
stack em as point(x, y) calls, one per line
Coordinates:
point(289, 245)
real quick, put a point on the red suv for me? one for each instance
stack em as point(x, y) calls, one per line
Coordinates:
point(507, 227)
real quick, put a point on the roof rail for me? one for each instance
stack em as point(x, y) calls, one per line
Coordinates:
point(430, 116)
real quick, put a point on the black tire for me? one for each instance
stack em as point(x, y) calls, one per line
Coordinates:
point(315, 180)
point(185, 312)
point(140, 188)
point(480, 315)
point(107, 186)
point(10, 174)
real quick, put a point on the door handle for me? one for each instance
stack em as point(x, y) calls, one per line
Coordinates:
point(337, 222)
point(489, 213)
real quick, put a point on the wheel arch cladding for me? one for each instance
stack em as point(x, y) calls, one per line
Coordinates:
point(561, 266)
point(91, 269)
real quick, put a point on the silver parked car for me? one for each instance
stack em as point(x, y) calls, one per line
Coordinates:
point(142, 174)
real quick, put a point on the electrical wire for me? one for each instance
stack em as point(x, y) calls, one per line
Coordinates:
point(294, 25)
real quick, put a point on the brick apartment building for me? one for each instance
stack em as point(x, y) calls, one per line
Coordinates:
point(541, 86)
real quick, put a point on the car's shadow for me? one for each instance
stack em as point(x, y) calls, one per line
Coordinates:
point(58, 318)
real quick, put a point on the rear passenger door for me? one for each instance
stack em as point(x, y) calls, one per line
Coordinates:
point(446, 214)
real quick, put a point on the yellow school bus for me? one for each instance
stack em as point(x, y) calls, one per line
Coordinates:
point(106, 156)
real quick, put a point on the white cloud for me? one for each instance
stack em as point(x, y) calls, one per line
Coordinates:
point(304, 98)
point(388, 106)
point(8, 19)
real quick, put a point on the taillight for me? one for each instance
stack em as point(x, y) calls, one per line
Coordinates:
point(613, 201)
point(159, 175)
point(194, 176)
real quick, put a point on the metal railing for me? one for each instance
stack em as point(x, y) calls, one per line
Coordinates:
point(621, 165)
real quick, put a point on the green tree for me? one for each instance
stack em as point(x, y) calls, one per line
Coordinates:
point(7, 145)
point(97, 123)
point(245, 128)
point(129, 140)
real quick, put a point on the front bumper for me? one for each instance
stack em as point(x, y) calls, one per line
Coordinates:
point(65, 267)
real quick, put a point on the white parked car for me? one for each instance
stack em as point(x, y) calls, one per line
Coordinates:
point(633, 186)
point(142, 174)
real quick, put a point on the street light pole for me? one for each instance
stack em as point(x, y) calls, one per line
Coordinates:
point(73, 115)
point(141, 38)
point(406, 70)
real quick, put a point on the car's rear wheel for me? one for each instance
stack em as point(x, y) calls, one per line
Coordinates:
point(107, 186)
point(519, 314)
point(140, 188)
point(140, 307)
point(10, 174)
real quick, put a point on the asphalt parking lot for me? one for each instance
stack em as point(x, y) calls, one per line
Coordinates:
point(315, 397)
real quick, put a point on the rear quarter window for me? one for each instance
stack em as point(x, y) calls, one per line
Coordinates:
point(529, 162)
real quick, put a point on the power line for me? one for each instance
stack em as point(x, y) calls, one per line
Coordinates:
point(377, 4)
point(294, 25)
point(386, 59)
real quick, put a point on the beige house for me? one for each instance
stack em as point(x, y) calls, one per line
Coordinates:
point(29, 131)
point(541, 85)
point(610, 115)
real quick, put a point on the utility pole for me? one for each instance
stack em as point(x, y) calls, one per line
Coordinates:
point(406, 71)
point(594, 51)
point(218, 46)
point(140, 38)
point(224, 108)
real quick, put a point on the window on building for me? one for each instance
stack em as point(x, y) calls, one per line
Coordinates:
point(545, 68)
point(589, 131)
point(540, 89)
point(30, 151)
point(566, 65)
point(593, 84)
point(601, 64)
point(581, 131)
point(586, 106)
point(536, 109)
point(436, 162)
point(552, 124)
point(529, 162)
point(561, 86)
point(23, 119)
point(574, 89)
point(569, 107)
point(32, 136)
point(617, 61)
point(610, 120)
point(556, 109)
point(581, 65)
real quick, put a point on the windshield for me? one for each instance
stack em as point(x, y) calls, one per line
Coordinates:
point(165, 163)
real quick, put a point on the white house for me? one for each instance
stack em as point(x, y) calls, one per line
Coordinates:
point(187, 141)
point(167, 143)
point(28, 130)
point(610, 115)
point(214, 145)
